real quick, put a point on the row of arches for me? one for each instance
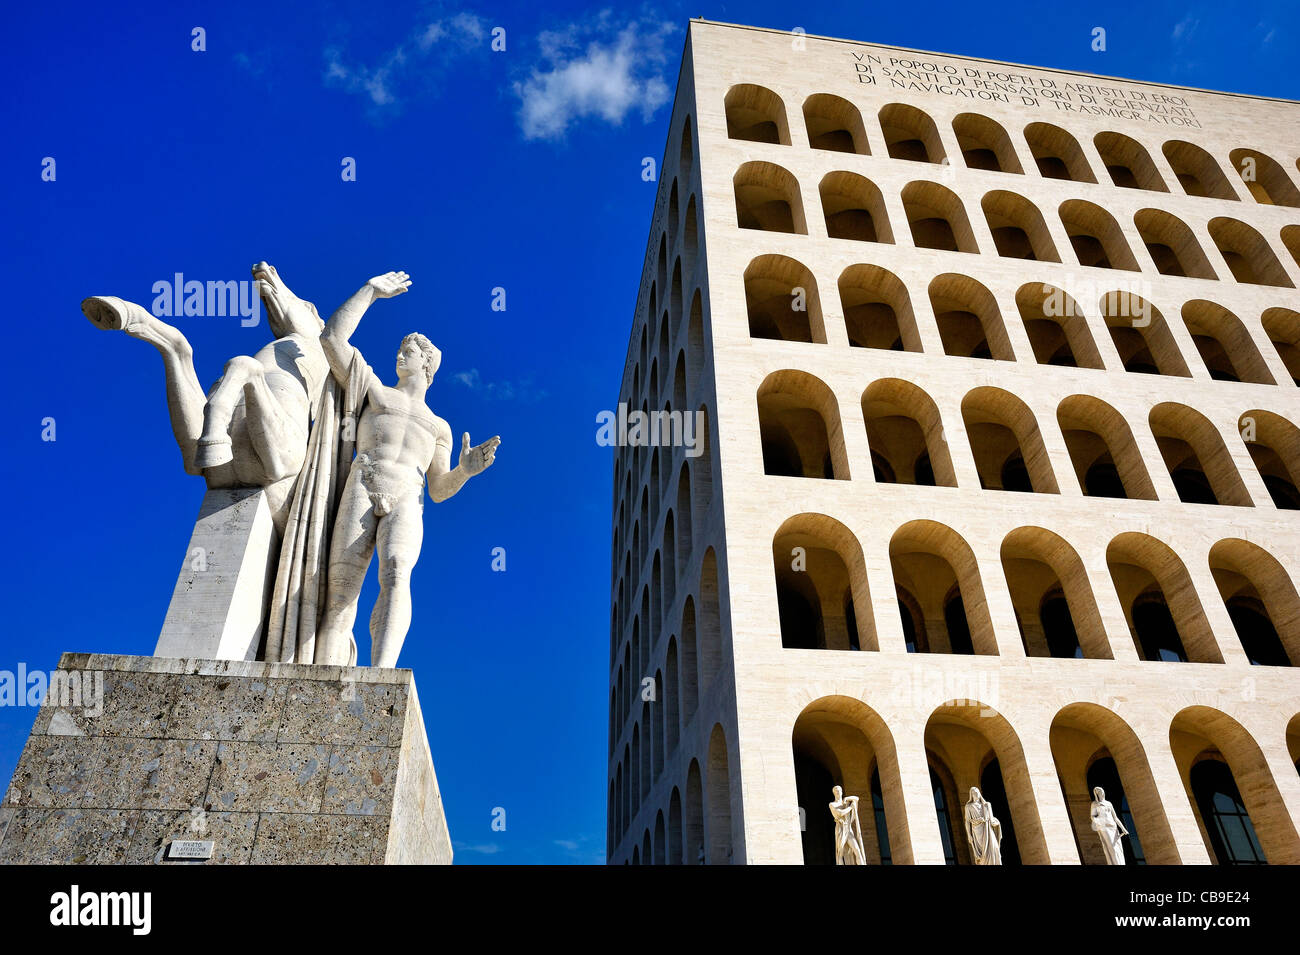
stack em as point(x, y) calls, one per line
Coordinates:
point(801, 435)
point(757, 114)
point(769, 198)
point(783, 303)
point(697, 828)
point(942, 606)
point(1227, 781)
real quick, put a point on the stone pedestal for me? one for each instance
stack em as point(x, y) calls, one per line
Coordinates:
point(271, 763)
point(219, 604)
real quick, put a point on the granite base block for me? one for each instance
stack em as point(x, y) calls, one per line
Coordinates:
point(273, 763)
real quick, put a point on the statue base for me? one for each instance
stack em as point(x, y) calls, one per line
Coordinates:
point(147, 760)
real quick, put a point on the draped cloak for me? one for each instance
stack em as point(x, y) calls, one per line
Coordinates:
point(301, 580)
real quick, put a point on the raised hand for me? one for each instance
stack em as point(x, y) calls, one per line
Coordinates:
point(390, 284)
point(478, 459)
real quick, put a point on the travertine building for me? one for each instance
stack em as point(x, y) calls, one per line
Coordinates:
point(997, 367)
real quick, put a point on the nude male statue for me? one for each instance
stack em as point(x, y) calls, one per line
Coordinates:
point(399, 443)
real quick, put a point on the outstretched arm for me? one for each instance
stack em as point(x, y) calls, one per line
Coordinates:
point(444, 481)
point(344, 321)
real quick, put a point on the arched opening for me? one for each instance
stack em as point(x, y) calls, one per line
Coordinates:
point(821, 586)
point(1005, 442)
point(690, 233)
point(839, 741)
point(686, 153)
point(767, 199)
point(910, 134)
point(970, 324)
point(1096, 237)
point(1274, 446)
point(1017, 227)
point(1261, 601)
point(834, 123)
point(1163, 612)
point(799, 426)
point(1092, 747)
point(974, 746)
point(1282, 325)
point(1172, 246)
point(710, 621)
point(1128, 162)
point(1265, 178)
point(1198, 461)
point(1141, 336)
point(647, 751)
point(673, 219)
point(702, 468)
point(905, 433)
point(938, 579)
point(757, 115)
point(782, 302)
point(1057, 329)
point(854, 208)
point(1050, 593)
point(877, 310)
point(937, 218)
point(1197, 171)
point(1236, 802)
point(657, 728)
point(693, 837)
point(690, 663)
point(1057, 153)
point(1247, 254)
point(1225, 346)
point(683, 512)
point(1102, 449)
point(672, 699)
point(1290, 236)
point(660, 856)
point(719, 795)
point(985, 144)
point(675, 831)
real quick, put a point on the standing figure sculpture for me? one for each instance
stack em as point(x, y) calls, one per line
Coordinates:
point(1106, 823)
point(400, 444)
point(983, 831)
point(848, 830)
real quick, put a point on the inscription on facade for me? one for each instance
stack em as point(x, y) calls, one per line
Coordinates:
point(1023, 88)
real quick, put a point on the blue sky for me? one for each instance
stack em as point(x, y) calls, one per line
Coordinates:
point(476, 169)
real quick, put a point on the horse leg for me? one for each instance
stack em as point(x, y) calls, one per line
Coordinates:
point(277, 427)
point(185, 398)
point(214, 447)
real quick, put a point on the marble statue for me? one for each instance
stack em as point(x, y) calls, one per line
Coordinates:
point(287, 421)
point(400, 446)
point(848, 829)
point(983, 831)
point(1106, 823)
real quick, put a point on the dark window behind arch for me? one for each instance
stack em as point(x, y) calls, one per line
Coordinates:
point(1227, 824)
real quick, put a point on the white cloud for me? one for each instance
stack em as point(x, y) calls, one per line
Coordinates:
point(487, 848)
point(522, 390)
point(617, 72)
point(433, 45)
point(1185, 27)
